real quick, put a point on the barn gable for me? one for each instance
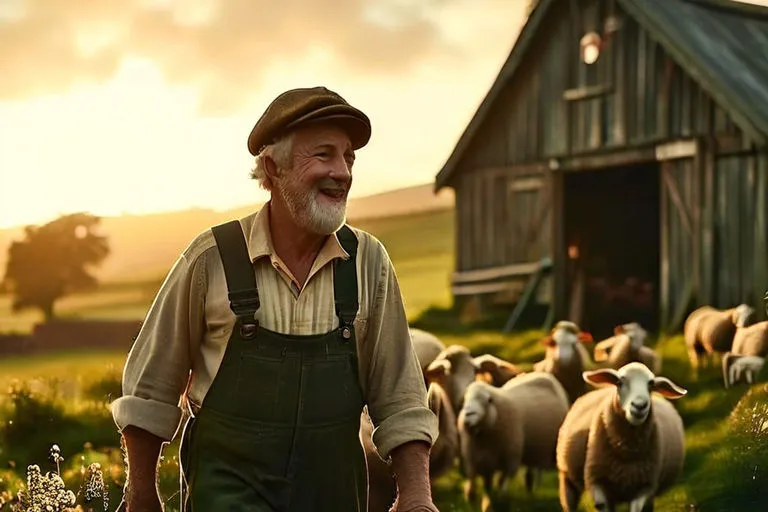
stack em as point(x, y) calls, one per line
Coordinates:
point(684, 104)
point(718, 37)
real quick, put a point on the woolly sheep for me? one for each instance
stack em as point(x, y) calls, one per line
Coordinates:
point(426, 345)
point(453, 369)
point(566, 358)
point(501, 429)
point(734, 366)
point(494, 370)
point(381, 486)
point(626, 346)
point(621, 443)
point(751, 340)
point(708, 330)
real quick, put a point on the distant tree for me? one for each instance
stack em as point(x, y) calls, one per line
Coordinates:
point(53, 261)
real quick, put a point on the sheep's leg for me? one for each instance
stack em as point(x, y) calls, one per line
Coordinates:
point(470, 489)
point(487, 504)
point(570, 493)
point(529, 477)
point(601, 500)
point(637, 504)
point(748, 376)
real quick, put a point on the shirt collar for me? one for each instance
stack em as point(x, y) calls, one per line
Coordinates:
point(260, 242)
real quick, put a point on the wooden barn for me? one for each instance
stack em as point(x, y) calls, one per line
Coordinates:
point(626, 141)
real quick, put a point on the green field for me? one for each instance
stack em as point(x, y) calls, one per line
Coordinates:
point(66, 395)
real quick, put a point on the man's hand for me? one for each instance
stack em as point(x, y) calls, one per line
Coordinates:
point(410, 466)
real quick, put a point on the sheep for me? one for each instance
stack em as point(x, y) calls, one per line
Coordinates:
point(621, 443)
point(501, 429)
point(566, 358)
point(735, 365)
point(381, 485)
point(751, 340)
point(626, 346)
point(426, 345)
point(708, 331)
point(494, 370)
point(453, 369)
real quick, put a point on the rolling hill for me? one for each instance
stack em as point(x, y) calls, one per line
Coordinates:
point(144, 246)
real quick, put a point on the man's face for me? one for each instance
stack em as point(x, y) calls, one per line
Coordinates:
point(315, 188)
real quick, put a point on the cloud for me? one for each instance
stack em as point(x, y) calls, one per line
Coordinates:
point(223, 47)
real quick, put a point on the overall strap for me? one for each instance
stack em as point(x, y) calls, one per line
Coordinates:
point(238, 270)
point(345, 279)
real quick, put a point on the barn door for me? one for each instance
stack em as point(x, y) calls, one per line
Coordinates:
point(529, 217)
point(680, 220)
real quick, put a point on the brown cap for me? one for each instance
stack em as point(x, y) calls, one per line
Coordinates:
point(299, 106)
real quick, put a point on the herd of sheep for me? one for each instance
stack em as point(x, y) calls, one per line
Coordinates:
point(602, 420)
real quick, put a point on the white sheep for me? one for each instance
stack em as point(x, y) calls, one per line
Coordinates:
point(751, 340)
point(622, 443)
point(426, 345)
point(708, 331)
point(494, 370)
point(501, 429)
point(625, 346)
point(566, 358)
point(381, 486)
point(453, 369)
point(735, 366)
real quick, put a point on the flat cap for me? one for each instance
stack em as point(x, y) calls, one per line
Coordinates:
point(312, 104)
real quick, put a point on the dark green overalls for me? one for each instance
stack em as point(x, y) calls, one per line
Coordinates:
point(279, 427)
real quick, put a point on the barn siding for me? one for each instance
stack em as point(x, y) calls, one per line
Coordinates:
point(653, 100)
point(716, 255)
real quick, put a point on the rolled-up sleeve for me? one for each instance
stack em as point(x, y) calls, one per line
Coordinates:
point(158, 365)
point(396, 395)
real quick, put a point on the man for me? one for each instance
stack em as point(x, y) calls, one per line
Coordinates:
point(275, 331)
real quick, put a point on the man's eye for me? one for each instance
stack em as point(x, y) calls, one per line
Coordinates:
point(322, 154)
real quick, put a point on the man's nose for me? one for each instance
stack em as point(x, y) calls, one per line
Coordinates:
point(340, 171)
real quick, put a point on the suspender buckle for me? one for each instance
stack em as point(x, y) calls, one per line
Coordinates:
point(244, 302)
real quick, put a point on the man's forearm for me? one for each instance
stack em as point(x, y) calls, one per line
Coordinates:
point(410, 467)
point(143, 454)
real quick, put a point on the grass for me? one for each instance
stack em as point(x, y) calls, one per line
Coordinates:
point(62, 398)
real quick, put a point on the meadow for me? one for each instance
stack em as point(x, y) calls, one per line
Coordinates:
point(63, 398)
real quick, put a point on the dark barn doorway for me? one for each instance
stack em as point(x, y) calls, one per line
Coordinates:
point(612, 235)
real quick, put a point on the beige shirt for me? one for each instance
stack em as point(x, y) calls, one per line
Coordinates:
point(184, 335)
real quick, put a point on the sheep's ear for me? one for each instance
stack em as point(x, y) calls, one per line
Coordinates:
point(667, 388)
point(482, 376)
point(549, 341)
point(433, 399)
point(619, 329)
point(585, 337)
point(602, 377)
point(438, 368)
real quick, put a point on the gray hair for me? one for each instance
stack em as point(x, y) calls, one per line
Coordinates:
point(280, 151)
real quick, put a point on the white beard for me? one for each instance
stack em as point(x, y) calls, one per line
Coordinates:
point(308, 213)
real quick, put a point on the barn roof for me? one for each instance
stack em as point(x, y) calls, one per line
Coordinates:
point(720, 43)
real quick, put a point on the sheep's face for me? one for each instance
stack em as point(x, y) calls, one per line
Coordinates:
point(634, 383)
point(453, 369)
point(478, 406)
point(562, 343)
point(741, 314)
point(635, 332)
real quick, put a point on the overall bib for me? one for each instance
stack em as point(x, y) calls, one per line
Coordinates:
point(278, 431)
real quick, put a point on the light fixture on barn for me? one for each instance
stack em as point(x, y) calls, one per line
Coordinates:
point(592, 43)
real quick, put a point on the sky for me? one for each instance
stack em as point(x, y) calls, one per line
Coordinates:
point(137, 106)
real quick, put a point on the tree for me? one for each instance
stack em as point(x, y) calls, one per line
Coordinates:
point(53, 261)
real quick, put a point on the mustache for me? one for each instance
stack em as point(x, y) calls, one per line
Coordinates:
point(331, 184)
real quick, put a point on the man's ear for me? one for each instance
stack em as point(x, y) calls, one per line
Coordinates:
point(270, 167)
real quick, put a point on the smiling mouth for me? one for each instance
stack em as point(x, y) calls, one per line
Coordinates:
point(335, 194)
